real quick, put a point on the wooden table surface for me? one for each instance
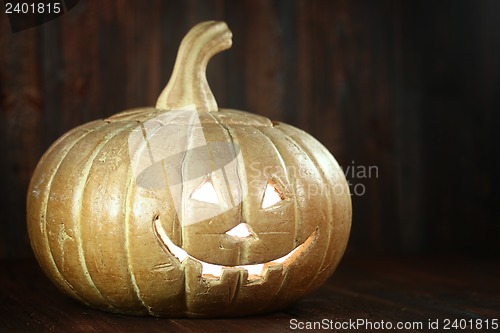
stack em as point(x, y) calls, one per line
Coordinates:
point(405, 290)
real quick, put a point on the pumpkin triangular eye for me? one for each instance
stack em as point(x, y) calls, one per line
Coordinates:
point(271, 195)
point(205, 193)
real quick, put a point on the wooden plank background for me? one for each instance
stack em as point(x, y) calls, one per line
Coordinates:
point(411, 87)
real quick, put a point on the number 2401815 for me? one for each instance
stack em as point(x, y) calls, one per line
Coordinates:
point(32, 8)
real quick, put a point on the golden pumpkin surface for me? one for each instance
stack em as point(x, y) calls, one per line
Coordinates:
point(187, 212)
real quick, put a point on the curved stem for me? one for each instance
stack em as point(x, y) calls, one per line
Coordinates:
point(188, 86)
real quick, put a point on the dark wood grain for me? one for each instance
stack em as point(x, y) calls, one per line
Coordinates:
point(410, 87)
point(406, 289)
point(21, 116)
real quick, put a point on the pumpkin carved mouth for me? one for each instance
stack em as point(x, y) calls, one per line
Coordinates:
point(212, 271)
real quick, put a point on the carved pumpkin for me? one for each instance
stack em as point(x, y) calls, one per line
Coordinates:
point(186, 209)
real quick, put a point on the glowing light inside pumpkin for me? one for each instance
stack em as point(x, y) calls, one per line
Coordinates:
point(205, 193)
point(255, 271)
point(271, 195)
point(242, 230)
point(210, 269)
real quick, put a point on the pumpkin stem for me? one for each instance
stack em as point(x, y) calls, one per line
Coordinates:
point(188, 86)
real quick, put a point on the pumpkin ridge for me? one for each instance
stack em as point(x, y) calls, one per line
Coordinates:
point(183, 169)
point(309, 284)
point(45, 200)
point(297, 216)
point(234, 141)
point(81, 188)
point(150, 116)
point(111, 141)
point(331, 200)
point(296, 210)
point(130, 114)
point(128, 200)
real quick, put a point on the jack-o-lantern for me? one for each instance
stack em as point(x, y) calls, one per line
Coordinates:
point(186, 209)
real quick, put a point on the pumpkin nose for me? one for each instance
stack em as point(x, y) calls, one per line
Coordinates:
point(242, 230)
